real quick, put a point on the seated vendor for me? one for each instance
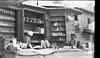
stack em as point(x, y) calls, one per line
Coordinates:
point(28, 39)
point(18, 45)
point(45, 44)
point(21, 45)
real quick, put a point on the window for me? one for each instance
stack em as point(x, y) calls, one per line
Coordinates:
point(89, 21)
point(76, 18)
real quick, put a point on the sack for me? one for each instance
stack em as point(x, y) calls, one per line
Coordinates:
point(9, 48)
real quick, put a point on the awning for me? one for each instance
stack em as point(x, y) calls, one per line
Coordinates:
point(4, 3)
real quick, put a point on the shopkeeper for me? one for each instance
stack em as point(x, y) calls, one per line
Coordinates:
point(45, 43)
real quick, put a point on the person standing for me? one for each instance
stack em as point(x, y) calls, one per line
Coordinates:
point(73, 41)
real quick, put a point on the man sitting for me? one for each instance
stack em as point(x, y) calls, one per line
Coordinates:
point(45, 44)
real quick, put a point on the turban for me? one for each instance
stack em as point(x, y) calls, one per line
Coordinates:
point(30, 33)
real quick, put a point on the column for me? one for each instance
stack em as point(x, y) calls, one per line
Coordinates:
point(22, 25)
point(47, 25)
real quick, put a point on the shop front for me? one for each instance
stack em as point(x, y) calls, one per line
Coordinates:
point(31, 24)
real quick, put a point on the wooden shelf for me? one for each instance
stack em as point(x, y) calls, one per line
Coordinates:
point(7, 26)
point(7, 20)
point(1, 13)
point(58, 36)
point(38, 33)
point(57, 21)
point(34, 23)
point(58, 26)
point(7, 32)
point(58, 31)
point(35, 41)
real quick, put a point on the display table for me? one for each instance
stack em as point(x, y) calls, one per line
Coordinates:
point(31, 53)
point(27, 53)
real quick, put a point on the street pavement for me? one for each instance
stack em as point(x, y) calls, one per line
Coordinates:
point(63, 54)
